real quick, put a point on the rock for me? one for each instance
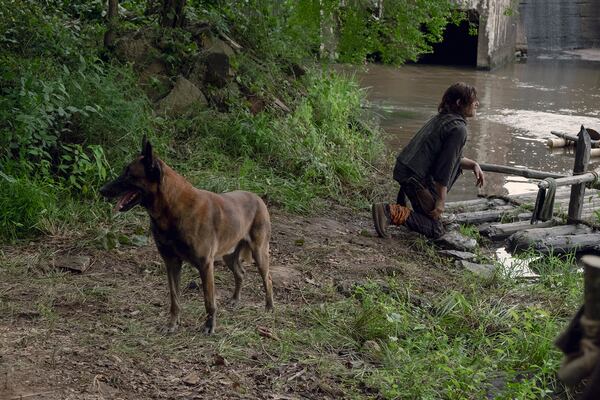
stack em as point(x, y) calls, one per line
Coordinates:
point(453, 240)
point(181, 98)
point(217, 69)
point(460, 255)
point(485, 271)
point(72, 263)
point(135, 50)
point(215, 45)
point(371, 350)
point(191, 379)
point(155, 82)
point(197, 72)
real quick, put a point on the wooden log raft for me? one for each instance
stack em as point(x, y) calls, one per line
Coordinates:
point(559, 239)
point(573, 138)
point(502, 231)
point(480, 204)
point(502, 212)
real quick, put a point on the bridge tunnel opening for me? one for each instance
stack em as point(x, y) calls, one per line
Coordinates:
point(459, 46)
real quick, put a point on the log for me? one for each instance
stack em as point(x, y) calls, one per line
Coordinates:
point(520, 171)
point(572, 180)
point(557, 143)
point(474, 205)
point(480, 217)
point(591, 292)
point(582, 158)
point(530, 196)
point(570, 243)
point(575, 138)
point(543, 239)
point(502, 231)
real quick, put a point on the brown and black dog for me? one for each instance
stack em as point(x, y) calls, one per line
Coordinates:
point(196, 226)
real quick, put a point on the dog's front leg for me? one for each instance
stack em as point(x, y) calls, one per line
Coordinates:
point(208, 285)
point(173, 266)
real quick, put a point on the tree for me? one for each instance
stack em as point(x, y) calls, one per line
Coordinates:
point(112, 17)
point(172, 13)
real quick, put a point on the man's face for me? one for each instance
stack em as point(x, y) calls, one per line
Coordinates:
point(471, 110)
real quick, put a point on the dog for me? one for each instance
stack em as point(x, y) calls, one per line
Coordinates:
point(196, 226)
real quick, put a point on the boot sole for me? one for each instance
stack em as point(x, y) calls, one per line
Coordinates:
point(376, 222)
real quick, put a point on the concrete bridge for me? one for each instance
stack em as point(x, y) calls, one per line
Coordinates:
point(504, 26)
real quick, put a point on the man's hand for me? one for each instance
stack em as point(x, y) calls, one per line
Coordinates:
point(437, 212)
point(480, 178)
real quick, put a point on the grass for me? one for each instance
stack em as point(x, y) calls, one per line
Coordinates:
point(474, 340)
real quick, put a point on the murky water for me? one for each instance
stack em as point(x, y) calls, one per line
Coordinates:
point(519, 105)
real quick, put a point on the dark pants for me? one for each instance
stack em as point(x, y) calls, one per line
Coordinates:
point(422, 200)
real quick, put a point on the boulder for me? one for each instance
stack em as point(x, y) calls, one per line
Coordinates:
point(485, 271)
point(137, 50)
point(217, 68)
point(214, 45)
point(458, 255)
point(155, 82)
point(183, 95)
point(453, 240)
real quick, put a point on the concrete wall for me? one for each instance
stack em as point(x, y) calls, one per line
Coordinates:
point(497, 31)
point(560, 24)
point(590, 23)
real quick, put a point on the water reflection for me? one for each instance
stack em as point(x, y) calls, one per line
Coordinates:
point(519, 105)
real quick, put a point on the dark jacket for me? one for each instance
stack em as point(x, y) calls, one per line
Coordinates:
point(434, 153)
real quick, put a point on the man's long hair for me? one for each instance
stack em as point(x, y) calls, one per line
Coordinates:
point(461, 92)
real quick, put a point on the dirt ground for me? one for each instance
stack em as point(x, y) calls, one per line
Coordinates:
point(96, 334)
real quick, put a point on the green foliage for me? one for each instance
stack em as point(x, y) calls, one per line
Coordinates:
point(403, 32)
point(461, 345)
point(315, 151)
point(59, 126)
point(67, 118)
point(23, 203)
point(470, 231)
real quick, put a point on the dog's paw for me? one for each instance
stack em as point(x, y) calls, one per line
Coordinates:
point(209, 326)
point(233, 303)
point(169, 329)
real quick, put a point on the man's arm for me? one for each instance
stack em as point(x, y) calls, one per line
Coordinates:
point(440, 203)
point(467, 163)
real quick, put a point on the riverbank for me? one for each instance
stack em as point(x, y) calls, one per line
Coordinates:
point(356, 317)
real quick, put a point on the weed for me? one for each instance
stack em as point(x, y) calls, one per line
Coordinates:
point(470, 231)
point(24, 204)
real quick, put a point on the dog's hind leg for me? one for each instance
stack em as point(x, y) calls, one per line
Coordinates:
point(260, 252)
point(173, 265)
point(206, 269)
point(234, 263)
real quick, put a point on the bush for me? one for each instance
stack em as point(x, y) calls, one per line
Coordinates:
point(23, 203)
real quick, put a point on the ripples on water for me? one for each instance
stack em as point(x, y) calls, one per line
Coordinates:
point(519, 105)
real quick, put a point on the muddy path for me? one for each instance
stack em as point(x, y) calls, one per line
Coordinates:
point(96, 334)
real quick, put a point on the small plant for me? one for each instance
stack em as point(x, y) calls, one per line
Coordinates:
point(23, 203)
point(470, 231)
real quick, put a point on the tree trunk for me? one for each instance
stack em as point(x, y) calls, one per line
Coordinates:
point(172, 13)
point(112, 17)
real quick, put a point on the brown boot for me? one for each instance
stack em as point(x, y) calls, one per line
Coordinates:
point(381, 219)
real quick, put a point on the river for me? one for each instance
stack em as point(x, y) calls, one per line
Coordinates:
point(519, 105)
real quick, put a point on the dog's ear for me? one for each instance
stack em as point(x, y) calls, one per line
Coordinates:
point(151, 165)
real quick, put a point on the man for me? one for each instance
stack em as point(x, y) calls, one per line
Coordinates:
point(429, 165)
